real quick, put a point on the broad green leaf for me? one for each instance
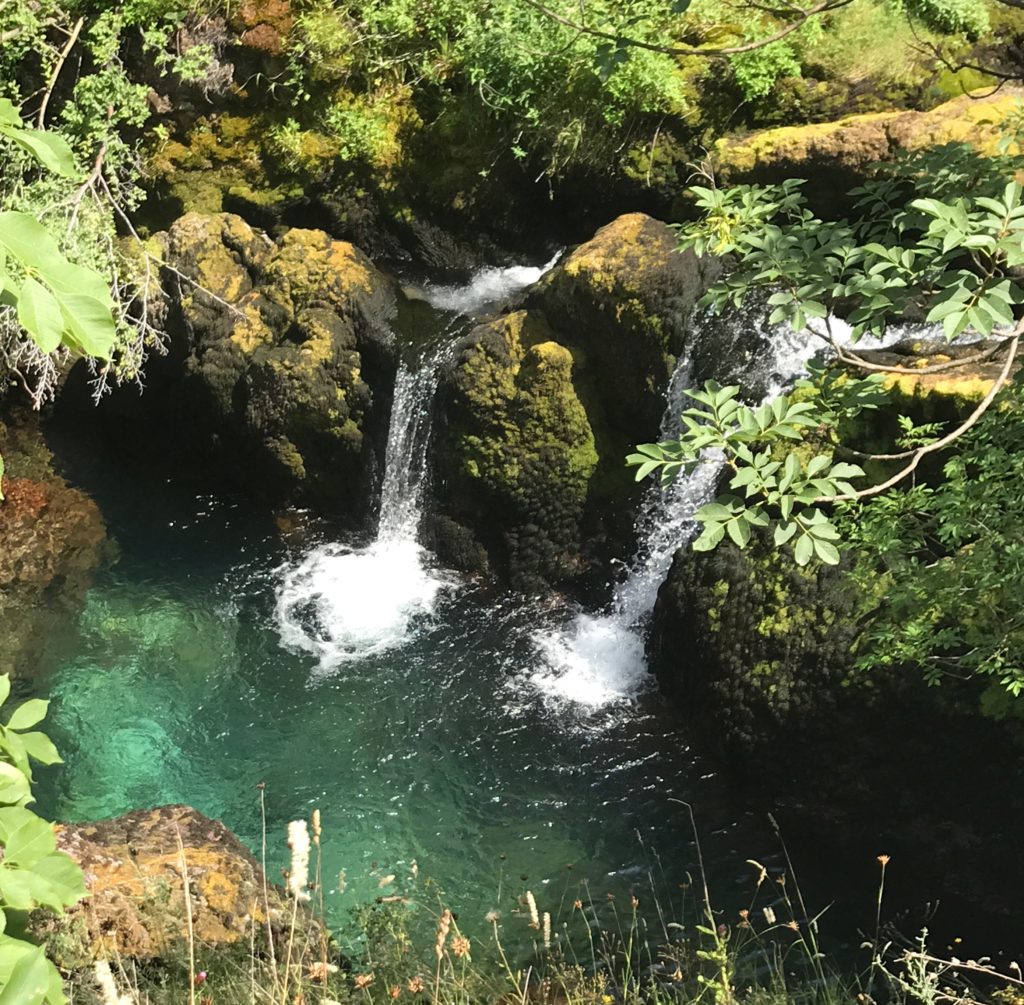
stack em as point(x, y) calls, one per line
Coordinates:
point(40, 747)
point(39, 314)
point(803, 550)
point(739, 531)
point(783, 532)
point(14, 786)
point(50, 149)
point(9, 115)
point(64, 876)
point(66, 277)
point(16, 889)
point(91, 325)
point(29, 980)
point(828, 553)
point(28, 240)
point(31, 842)
point(28, 714)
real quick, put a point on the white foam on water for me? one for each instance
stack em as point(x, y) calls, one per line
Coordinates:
point(342, 604)
point(487, 288)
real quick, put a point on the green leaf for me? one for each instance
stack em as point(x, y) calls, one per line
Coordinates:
point(30, 713)
point(739, 531)
point(5, 687)
point(39, 314)
point(40, 747)
point(32, 841)
point(828, 553)
point(29, 979)
point(783, 532)
point(14, 786)
point(64, 876)
point(803, 550)
point(91, 326)
point(28, 240)
point(9, 115)
point(50, 149)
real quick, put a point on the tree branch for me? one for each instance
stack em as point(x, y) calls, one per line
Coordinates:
point(922, 452)
point(61, 59)
point(680, 50)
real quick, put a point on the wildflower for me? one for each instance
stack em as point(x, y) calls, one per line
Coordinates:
point(395, 990)
point(769, 915)
point(793, 925)
point(316, 826)
point(385, 881)
point(607, 1000)
point(492, 917)
point(320, 971)
point(298, 874)
point(460, 946)
point(414, 869)
point(362, 981)
point(677, 975)
point(341, 881)
point(610, 897)
point(444, 924)
point(415, 985)
point(547, 930)
point(531, 903)
point(634, 903)
point(744, 914)
point(577, 905)
point(199, 978)
point(884, 859)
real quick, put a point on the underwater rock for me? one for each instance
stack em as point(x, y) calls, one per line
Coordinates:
point(53, 540)
point(280, 337)
point(136, 905)
point(541, 406)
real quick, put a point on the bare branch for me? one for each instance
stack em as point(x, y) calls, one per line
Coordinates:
point(61, 59)
point(681, 50)
point(930, 448)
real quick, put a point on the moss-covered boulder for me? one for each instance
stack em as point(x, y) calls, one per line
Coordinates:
point(540, 406)
point(520, 451)
point(134, 870)
point(52, 541)
point(279, 339)
point(750, 641)
point(834, 156)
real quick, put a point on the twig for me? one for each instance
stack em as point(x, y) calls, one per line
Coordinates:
point(922, 452)
point(61, 59)
point(188, 917)
point(680, 50)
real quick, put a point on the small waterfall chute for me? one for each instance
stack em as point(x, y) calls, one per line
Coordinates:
point(342, 603)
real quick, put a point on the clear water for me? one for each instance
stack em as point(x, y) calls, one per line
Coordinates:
point(416, 712)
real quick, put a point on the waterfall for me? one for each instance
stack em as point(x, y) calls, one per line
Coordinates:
point(342, 603)
point(600, 658)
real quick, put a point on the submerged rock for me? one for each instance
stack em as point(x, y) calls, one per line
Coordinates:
point(136, 906)
point(279, 337)
point(52, 540)
point(541, 405)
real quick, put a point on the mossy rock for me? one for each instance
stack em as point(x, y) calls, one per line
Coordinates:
point(750, 641)
point(136, 907)
point(834, 156)
point(277, 335)
point(519, 451)
point(54, 540)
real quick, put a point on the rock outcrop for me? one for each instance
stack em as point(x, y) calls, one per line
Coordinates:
point(541, 405)
point(280, 339)
point(52, 540)
point(834, 156)
point(134, 869)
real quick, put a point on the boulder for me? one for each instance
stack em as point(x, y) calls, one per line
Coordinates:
point(279, 339)
point(52, 540)
point(520, 448)
point(541, 406)
point(136, 905)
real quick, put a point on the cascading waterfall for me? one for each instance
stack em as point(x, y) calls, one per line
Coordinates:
point(342, 603)
point(600, 658)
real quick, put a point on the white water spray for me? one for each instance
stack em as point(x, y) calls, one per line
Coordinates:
point(487, 288)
